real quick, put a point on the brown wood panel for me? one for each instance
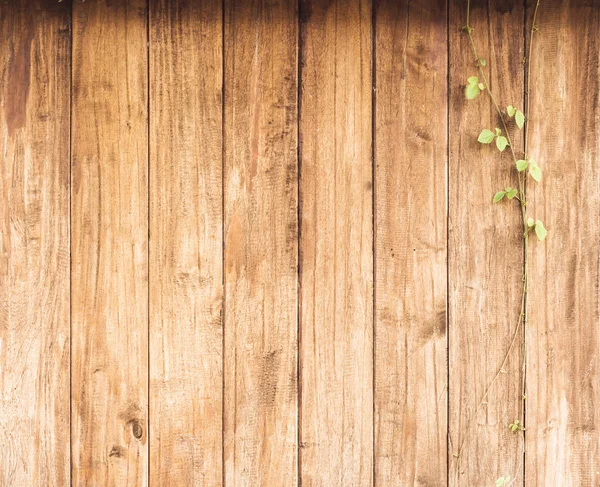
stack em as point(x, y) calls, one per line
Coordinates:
point(484, 250)
point(185, 243)
point(109, 244)
point(261, 243)
point(34, 244)
point(410, 249)
point(336, 246)
point(171, 387)
point(563, 337)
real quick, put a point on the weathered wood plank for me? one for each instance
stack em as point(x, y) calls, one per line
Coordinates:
point(185, 243)
point(563, 336)
point(261, 243)
point(34, 244)
point(411, 164)
point(336, 244)
point(109, 244)
point(484, 251)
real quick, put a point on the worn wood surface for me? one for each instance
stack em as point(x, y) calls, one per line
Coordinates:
point(254, 242)
point(410, 222)
point(484, 252)
point(109, 246)
point(336, 244)
point(185, 243)
point(261, 243)
point(34, 244)
point(563, 336)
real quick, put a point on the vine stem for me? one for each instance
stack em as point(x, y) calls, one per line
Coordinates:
point(522, 320)
point(534, 29)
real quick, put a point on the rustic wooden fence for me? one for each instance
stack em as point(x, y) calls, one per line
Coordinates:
point(252, 243)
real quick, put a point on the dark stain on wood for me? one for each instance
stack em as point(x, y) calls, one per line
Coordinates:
point(268, 377)
point(305, 10)
point(19, 78)
point(117, 451)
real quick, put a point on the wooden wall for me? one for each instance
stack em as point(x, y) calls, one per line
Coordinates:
point(251, 243)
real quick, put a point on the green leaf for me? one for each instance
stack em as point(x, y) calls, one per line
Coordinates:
point(486, 136)
point(472, 92)
point(530, 222)
point(540, 230)
point(511, 194)
point(520, 119)
point(501, 143)
point(510, 110)
point(522, 165)
point(498, 131)
point(482, 61)
point(503, 481)
point(535, 171)
point(481, 86)
point(473, 80)
point(498, 196)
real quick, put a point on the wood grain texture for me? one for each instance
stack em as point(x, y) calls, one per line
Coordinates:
point(243, 317)
point(261, 243)
point(34, 244)
point(563, 337)
point(410, 249)
point(485, 251)
point(185, 243)
point(109, 244)
point(336, 245)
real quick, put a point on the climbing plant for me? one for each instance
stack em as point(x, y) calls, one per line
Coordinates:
point(526, 169)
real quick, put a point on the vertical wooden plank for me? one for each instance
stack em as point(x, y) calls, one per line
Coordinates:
point(261, 248)
point(185, 243)
point(109, 244)
point(336, 244)
point(563, 337)
point(34, 243)
point(485, 251)
point(411, 164)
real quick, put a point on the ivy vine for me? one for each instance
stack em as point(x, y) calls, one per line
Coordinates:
point(512, 118)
